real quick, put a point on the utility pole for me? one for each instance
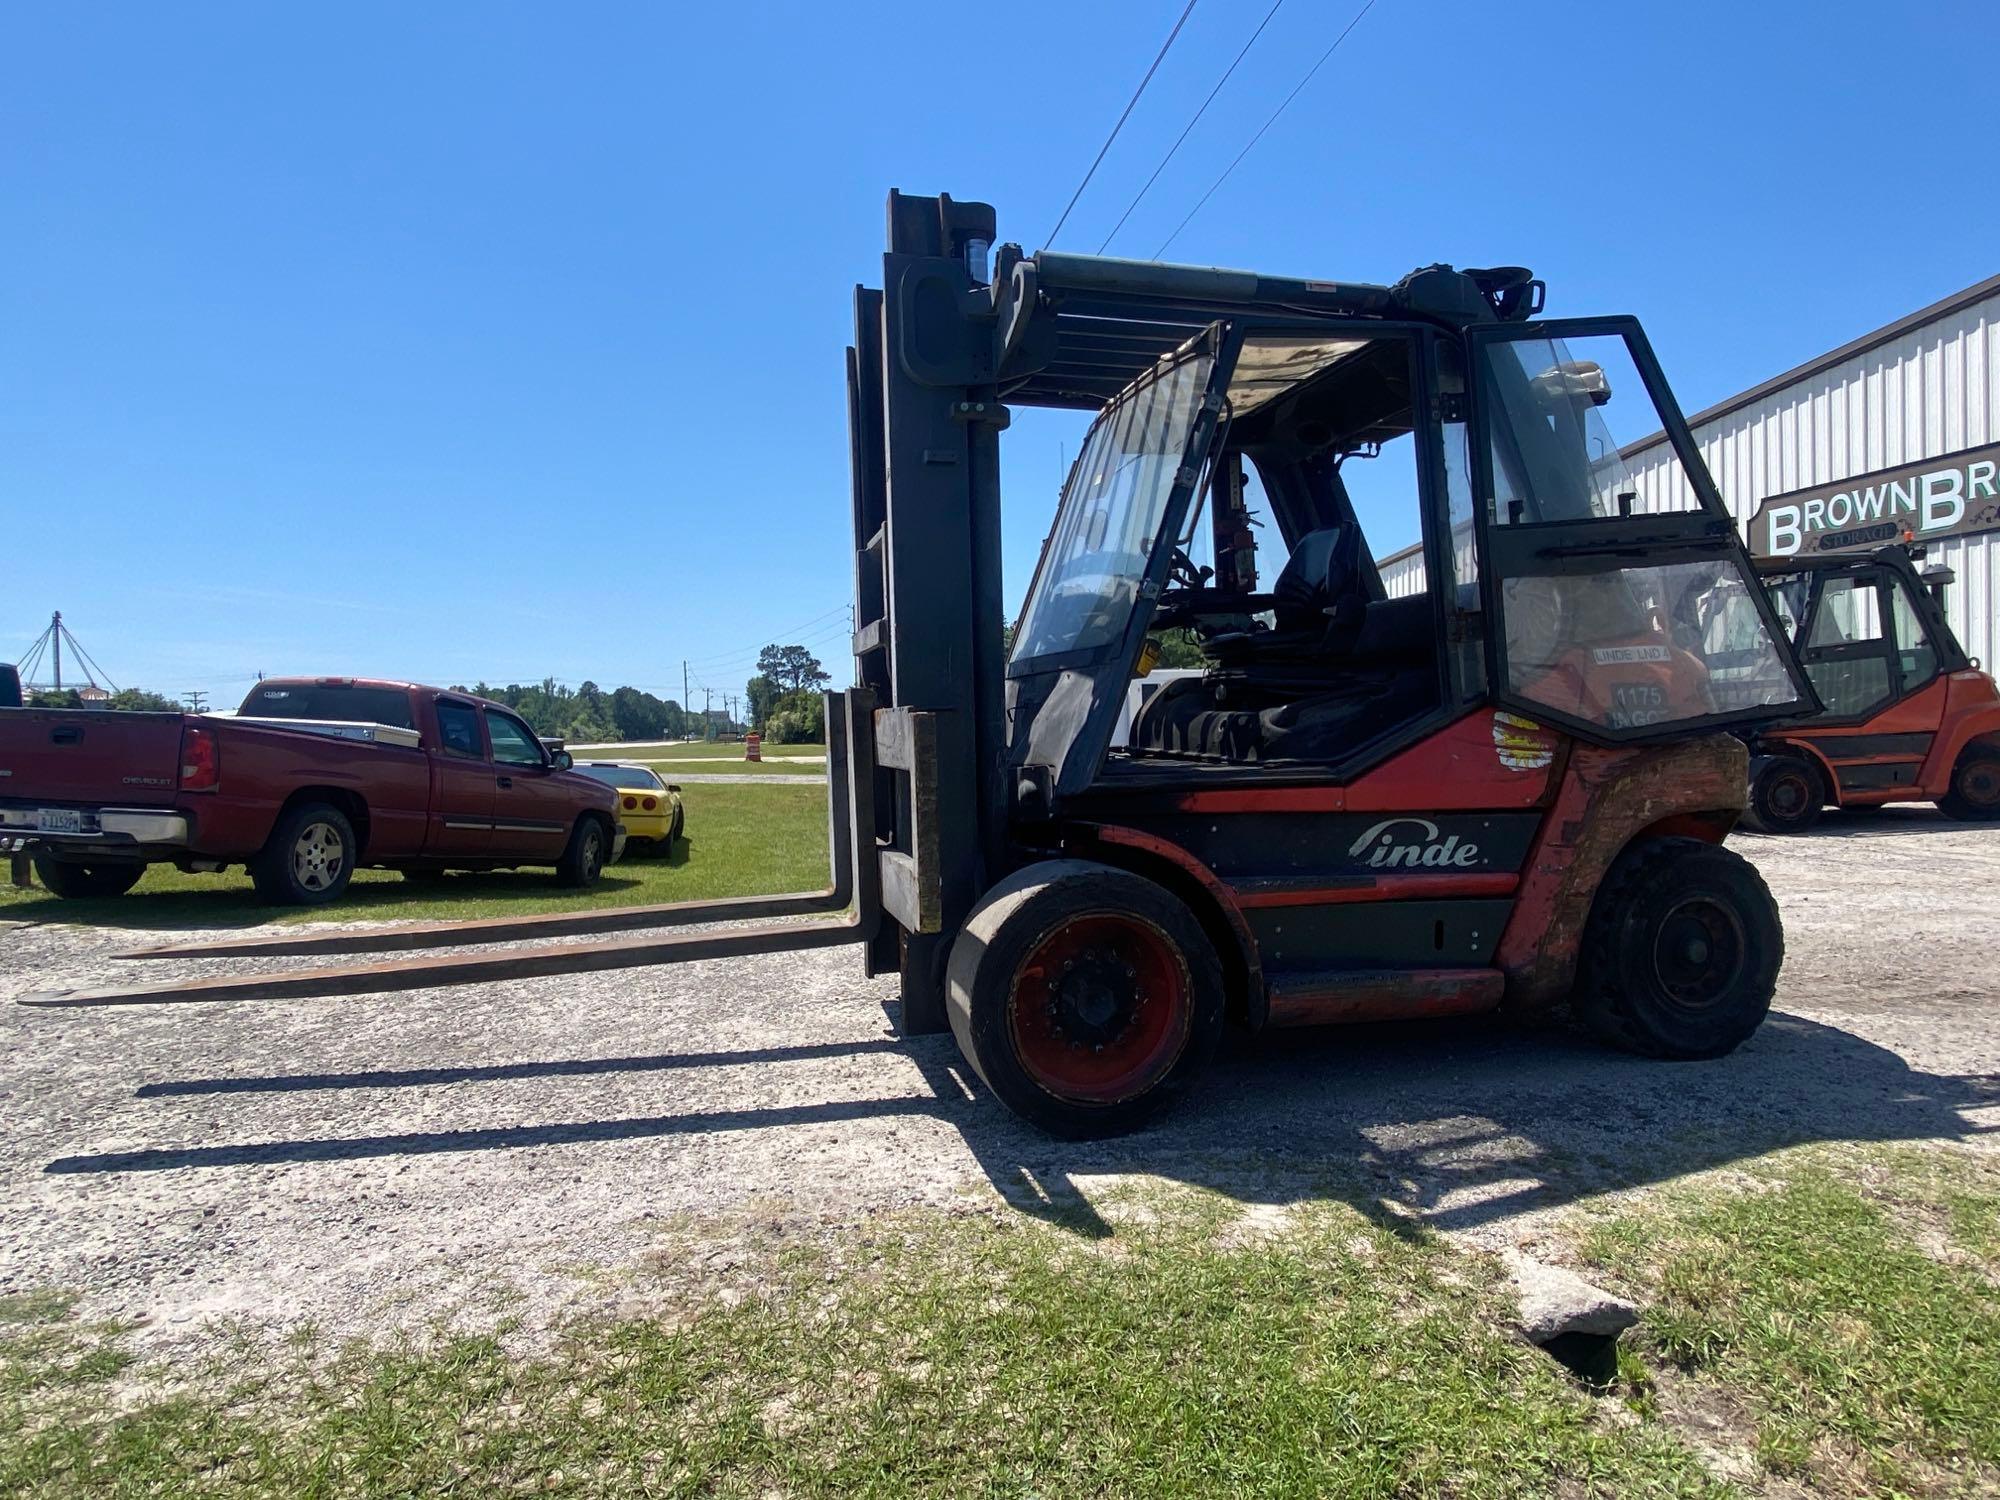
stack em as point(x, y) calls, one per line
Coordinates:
point(196, 702)
point(687, 703)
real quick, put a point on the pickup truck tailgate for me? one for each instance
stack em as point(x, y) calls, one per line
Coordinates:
point(89, 755)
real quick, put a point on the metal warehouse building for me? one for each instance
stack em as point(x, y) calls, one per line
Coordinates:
point(1897, 432)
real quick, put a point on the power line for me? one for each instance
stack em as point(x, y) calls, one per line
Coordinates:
point(1049, 243)
point(1370, 5)
point(1196, 120)
point(793, 630)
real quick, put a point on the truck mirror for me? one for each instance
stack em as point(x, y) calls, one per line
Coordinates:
point(563, 760)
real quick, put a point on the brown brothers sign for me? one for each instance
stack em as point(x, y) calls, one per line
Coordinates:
point(1944, 496)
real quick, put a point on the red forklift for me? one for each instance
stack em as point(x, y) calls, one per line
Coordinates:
point(1909, 717)
point(1505, 793)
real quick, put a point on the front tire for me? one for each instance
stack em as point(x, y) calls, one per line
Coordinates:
point(308, 859)
point(1682, 951)
point(83, 882)
point(583, 861)
point(1975, 788)
point(1786, 795)
point(1084, 996)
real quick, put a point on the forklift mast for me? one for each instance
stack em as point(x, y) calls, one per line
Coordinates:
point(924, 426)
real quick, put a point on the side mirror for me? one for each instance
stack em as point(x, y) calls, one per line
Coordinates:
point(563, 760)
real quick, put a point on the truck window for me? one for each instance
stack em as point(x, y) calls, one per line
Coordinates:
point(458, 730)
point(513, 745)
point(329, 701)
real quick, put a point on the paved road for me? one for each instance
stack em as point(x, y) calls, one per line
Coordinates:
point(485, 1152)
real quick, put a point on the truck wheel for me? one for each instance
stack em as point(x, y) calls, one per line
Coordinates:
point(1975, 788)
point(75, 882)
point(1785, 795)
point(1682, 951)
point(308, 859)
point(583, 861)
point(1084, 996)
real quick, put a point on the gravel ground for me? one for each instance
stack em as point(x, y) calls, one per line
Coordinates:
point(518, 1151)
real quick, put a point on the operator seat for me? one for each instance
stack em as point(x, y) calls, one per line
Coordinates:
point(1335, 670)
point(1317, 604)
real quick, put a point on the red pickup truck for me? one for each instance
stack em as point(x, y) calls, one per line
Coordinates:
point(310, 780)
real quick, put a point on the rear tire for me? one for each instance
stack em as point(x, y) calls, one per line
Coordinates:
point(308, 859)
point(1682, 951)
point(583, 861)
point(84, 882)
point(674, 831)
point(1975, 788)
point(1786, 795)
point(1084, 996)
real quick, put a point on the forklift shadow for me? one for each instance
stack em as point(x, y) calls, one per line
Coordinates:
point(1453, 1124)
point(1421, 1126)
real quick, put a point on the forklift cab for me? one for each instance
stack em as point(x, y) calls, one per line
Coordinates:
point(1867, 628)
point(1563, 594)
point(1909, 717)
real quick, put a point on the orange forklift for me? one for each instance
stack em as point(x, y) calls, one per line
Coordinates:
point(1909, 716)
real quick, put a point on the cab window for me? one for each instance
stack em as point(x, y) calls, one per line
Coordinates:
point(458, 730)
point(1916, 657)
point(1564, 409)
point(513, 745)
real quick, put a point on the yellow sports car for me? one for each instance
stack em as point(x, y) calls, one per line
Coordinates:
point(649, 808)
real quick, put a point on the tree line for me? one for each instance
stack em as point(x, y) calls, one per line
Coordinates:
point(589, 715)
point(131, 700)
point(783, 701)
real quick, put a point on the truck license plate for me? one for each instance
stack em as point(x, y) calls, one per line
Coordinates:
point(59, 820)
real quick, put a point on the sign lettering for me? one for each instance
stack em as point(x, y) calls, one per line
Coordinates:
point(1951, 495)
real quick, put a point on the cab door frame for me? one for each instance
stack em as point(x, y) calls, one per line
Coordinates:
point(1596, 545)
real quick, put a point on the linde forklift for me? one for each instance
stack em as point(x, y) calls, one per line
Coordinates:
point(1507, 792)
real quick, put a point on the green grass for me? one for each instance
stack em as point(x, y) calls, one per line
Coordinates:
point(699, 750)
point(741, 841)
point(926, 1356)
point(714, 766)
point(1852, 1309)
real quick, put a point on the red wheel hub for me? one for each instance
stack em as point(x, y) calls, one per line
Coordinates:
point(1100, 1008)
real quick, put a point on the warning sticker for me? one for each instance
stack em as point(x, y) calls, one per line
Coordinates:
point(1522, 744)
point(1609, 655)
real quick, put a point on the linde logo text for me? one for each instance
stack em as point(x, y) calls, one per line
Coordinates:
point(1412, 843)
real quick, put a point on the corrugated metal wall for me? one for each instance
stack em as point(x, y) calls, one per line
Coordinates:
point(1402, 574)
point(1930, 391)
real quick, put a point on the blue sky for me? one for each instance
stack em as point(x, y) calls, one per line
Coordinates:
point(503, 341)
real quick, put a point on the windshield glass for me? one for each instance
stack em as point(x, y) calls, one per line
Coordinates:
point(631, 778)
point(332, 701)
point(1111, 514)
